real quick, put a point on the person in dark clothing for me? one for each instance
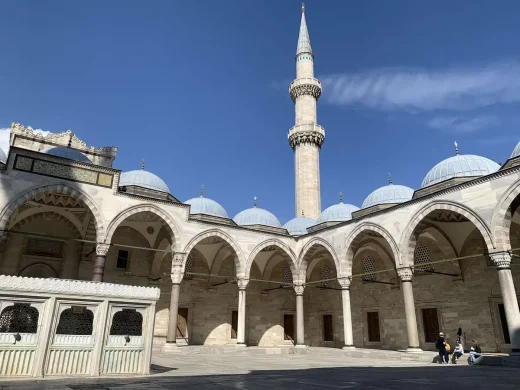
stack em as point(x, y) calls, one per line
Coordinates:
point(477, 347)
point(440, 344)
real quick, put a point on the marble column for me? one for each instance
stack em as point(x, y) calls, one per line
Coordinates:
point(70, 260)
point(347, 313)
point(177, 273)
point(409, 307)
point(99, 262)
point(300, 329)
point(502, 262)
point(241, 331)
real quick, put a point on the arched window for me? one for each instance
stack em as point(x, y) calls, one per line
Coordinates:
point(421, 256)
point(368, 269)
point(127, 322)
point(188, 268)
point(324, 275)
point(287, 275)
point(77, 320)
point(19, 318)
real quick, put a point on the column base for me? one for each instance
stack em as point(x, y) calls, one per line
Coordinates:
point(241, 345)
point(348, 348)
point(414, 350)
point(515, 352)
point(170, 348)
point(300, 346)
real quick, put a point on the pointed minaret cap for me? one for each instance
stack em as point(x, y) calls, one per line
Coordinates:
point(304, 41)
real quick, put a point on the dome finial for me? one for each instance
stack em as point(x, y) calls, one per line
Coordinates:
point(254, 199)
point(389, 178)
point(456, 149)
point(303, 7)
point(202, 191)
point(341, 197)
point(142, 164)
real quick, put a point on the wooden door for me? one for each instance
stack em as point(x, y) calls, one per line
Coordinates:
point(328, 332)
point(182, 323)
point(431, 325)
point(288, 327)
point(374, 334)
point(234, 324)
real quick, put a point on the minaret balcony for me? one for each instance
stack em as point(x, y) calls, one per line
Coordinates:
point(305, 86)
point(307, 133)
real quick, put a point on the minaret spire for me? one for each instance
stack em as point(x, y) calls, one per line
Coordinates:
point(306, 136)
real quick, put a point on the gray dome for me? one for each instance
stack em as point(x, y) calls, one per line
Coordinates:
point(337, 213)
point(466, 165)
point(256, 216)
point(298, 226)
point(392, 193)
point(516, 151)
point(3, 156)
point(207, 206)
point(64, 152)
point(145, 179)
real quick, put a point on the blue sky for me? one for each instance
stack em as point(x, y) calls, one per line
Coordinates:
point(200, 88)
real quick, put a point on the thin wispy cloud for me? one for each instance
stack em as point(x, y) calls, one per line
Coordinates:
point(463, 124)
point(412, 90)
point(4, 137)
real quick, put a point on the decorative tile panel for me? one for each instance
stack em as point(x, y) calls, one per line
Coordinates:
point(23, 163)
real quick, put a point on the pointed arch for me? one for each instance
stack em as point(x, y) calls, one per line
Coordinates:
point(502, 216)
point(272, 242)
point(408, 238)
point(303, 262)
point(61, 188)
point(239, 262)
point(151, 208)
point(356, 236)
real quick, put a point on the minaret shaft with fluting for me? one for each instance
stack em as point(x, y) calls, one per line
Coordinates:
point(306, 137)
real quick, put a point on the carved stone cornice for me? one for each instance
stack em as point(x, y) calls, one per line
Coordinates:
point(501, 260)
point(305, 86)
point(344, 283)
point(77, 287)
point(406, 274)
point(309, 133)
point(242, 283)
point(298, 289)
point(102, 249)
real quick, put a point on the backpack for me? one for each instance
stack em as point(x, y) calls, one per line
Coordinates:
point(448, 348)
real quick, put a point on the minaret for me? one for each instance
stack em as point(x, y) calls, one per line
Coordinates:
point(306, 137)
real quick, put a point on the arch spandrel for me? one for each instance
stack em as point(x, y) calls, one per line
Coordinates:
point(417, 223)
point(61, 188)
point(240, 261)
point(501, 219)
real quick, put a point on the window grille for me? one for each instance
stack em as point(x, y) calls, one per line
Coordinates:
point(369, 269)
point(19, 318)
point(324, 275)
point(76, 321)
point(287, 275)
point(188, 268)
point(421, 256)
point(127, 322)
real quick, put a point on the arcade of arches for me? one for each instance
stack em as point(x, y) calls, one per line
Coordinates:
point(290, 301)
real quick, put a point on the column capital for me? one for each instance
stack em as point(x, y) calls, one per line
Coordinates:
point(405, 274)
point(344, 283)
point(242, 283)
point(501, 260)
point(177, 263)
point(298, 289)
point(102, 249)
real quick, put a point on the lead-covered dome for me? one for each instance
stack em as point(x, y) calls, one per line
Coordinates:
point(391, 193)
point(145, 179)
point(64, 152)
point(466, 165)
point(3, 156)
point(298, 226)
point(256, 216)
point(337, 213)
point(207, 206)
point(516, 151)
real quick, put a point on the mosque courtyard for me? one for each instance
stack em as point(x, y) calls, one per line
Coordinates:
point(288, 371)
